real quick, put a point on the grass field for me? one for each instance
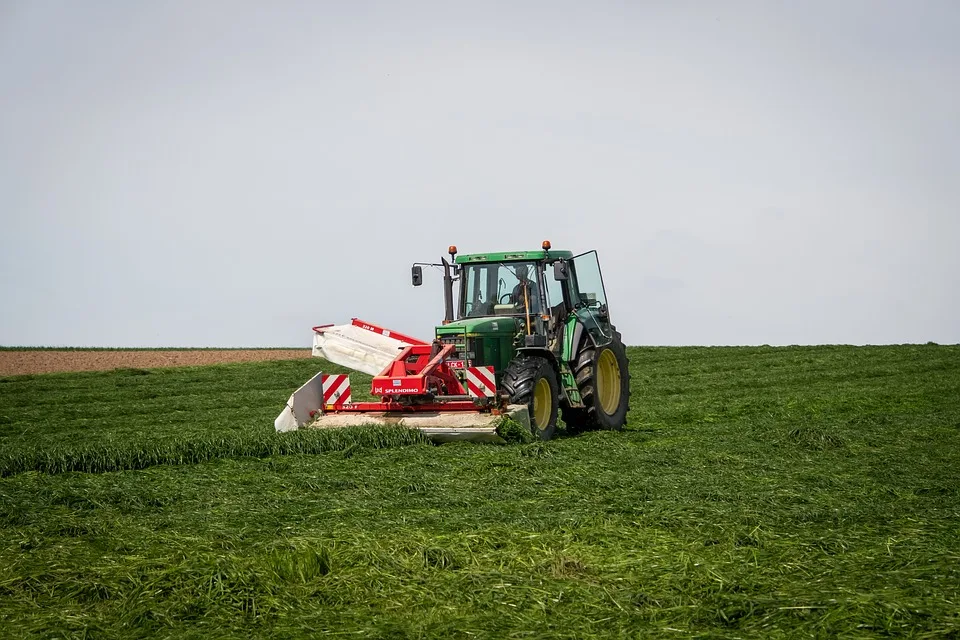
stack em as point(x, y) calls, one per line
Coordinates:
point(774, 492)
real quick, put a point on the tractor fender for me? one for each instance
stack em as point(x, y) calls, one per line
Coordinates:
point(540, 352)
point(585, 332)
point(576, 341)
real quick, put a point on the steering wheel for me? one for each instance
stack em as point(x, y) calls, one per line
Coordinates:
point(508, 297)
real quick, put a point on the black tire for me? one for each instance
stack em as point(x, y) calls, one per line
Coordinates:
point(593, 415)
point(520, 381)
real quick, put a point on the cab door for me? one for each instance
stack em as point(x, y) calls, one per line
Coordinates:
point(590, 298)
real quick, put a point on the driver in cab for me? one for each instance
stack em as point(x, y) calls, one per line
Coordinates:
point(525, 287)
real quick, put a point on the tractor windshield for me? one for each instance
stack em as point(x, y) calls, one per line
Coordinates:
point(500, 288)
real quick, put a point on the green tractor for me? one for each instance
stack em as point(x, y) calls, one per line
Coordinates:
point(541, 320)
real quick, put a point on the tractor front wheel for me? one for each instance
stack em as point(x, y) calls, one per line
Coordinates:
point(532, 381)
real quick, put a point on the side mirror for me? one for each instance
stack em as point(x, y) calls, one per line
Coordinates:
point(560, 271)
point(416, 275)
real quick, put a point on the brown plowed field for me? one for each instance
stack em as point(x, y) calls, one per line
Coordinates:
point(14, 363)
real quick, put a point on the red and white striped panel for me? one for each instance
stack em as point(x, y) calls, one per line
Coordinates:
point(336, 389)
point(481, 382)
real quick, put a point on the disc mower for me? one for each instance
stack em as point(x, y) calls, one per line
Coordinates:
point(525, 334)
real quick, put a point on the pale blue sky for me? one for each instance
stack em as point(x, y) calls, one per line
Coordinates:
point(231, 173)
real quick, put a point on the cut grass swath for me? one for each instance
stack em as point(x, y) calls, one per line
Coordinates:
point(100, 458)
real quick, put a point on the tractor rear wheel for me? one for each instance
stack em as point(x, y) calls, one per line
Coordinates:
point(532, 381)
point(603, 378)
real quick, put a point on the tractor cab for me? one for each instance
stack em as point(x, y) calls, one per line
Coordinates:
point(535, 293)
point(536, 289)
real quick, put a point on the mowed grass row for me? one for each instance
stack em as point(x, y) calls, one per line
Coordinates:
point(134, 418)
point(757, 492)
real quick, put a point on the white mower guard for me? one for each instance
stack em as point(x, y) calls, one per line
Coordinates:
point(360, 346)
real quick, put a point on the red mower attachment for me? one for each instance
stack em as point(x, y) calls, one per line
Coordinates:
point(419, 388)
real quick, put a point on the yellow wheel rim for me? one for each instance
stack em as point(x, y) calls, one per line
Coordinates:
point(542, 403)
point(608, 382)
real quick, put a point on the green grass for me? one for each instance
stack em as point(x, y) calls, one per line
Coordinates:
point(761, 492)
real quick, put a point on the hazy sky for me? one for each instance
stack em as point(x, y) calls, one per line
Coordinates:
point(231, 173)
